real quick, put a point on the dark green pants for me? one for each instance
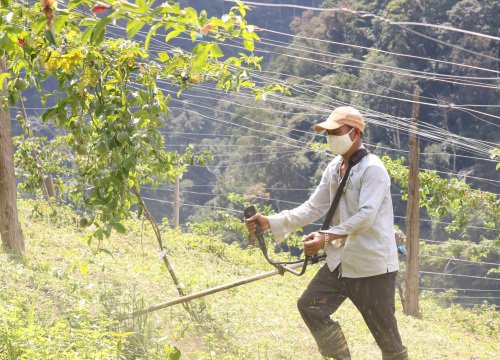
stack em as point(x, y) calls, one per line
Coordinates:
point(373, 297)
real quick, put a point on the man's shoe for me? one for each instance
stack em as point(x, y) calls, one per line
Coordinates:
point(331, 343)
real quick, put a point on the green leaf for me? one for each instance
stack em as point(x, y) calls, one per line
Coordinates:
point(3, 77)
point(86, 35)
point(133, 27)
point(143, 6)
point(73, 4)
point(12, 29)
point(130, 162)
point(172, 352)
point(163, 57)
point(200, 55)
point(151, 33)
point(99, 31)
point(218, 22)
point(248, 44)
point(60, 21)
point(119, 227)
point(128, 6)
point(216, 51)
point(49, 114)
point(50, 35)
point(173, 34)
point(192, 14)
point(88, 22)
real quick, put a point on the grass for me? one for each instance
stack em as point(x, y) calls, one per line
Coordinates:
point(63, 300)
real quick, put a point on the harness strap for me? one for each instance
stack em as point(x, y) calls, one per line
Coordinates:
point(354, 160)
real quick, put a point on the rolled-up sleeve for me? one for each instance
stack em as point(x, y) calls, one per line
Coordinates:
point(374, 187)
point(313, 209)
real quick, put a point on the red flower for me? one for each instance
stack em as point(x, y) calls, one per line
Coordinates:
point(206, 28)
point(20, 41)
point(100, 7)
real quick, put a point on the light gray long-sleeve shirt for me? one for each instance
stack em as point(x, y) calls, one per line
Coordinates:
point(364, 214)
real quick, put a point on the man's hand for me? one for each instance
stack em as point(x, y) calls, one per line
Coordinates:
point(313, 243)
point(261, 220)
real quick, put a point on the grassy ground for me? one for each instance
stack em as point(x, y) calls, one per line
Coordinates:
point(63, 301)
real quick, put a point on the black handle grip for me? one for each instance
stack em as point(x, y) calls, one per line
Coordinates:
point(249, 212)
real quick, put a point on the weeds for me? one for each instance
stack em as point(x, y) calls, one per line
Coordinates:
point(50, 309)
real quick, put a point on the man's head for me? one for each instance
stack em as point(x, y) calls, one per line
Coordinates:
point(343, 115)
point(344, 128)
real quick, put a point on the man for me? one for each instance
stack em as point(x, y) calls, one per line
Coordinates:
point(362, 260)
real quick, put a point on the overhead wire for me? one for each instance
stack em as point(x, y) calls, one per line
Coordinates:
point(364, 14)
point(299, 203)
point(445, 106)
point(438, 101)
point(453, 139)
point(305, 143)
point(448, 44)
point(428, 130)
point(444, 242)
point(458, 275)
point(371, 49)
point(238, 211)
point(459, 289)
point(208, 145)
point(446, 27)
point(387, 69)
point(430, 104)
point(376, 67)
point(491, 181)
point(382, 86)
point(196, 134)
point(460, 260)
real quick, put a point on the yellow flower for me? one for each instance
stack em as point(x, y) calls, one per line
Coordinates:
point(51, 60)
point(71, 60)
point(89, 77)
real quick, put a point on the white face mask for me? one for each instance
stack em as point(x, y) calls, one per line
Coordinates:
point(340, 144)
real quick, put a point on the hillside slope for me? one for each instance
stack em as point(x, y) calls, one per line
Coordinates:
point(62, 301)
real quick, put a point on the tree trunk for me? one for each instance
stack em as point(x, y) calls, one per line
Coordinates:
point(10, 228)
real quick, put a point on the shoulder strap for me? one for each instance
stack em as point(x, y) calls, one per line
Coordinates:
point(355, 158)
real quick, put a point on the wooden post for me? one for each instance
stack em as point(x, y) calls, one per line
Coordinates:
point(413, 218)
point(177, 202)
point(48, 182)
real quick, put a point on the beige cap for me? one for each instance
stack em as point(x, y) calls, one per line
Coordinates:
point(343, 115)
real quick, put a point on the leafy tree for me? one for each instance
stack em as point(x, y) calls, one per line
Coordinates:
point(107, 99)
point(452, 198)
